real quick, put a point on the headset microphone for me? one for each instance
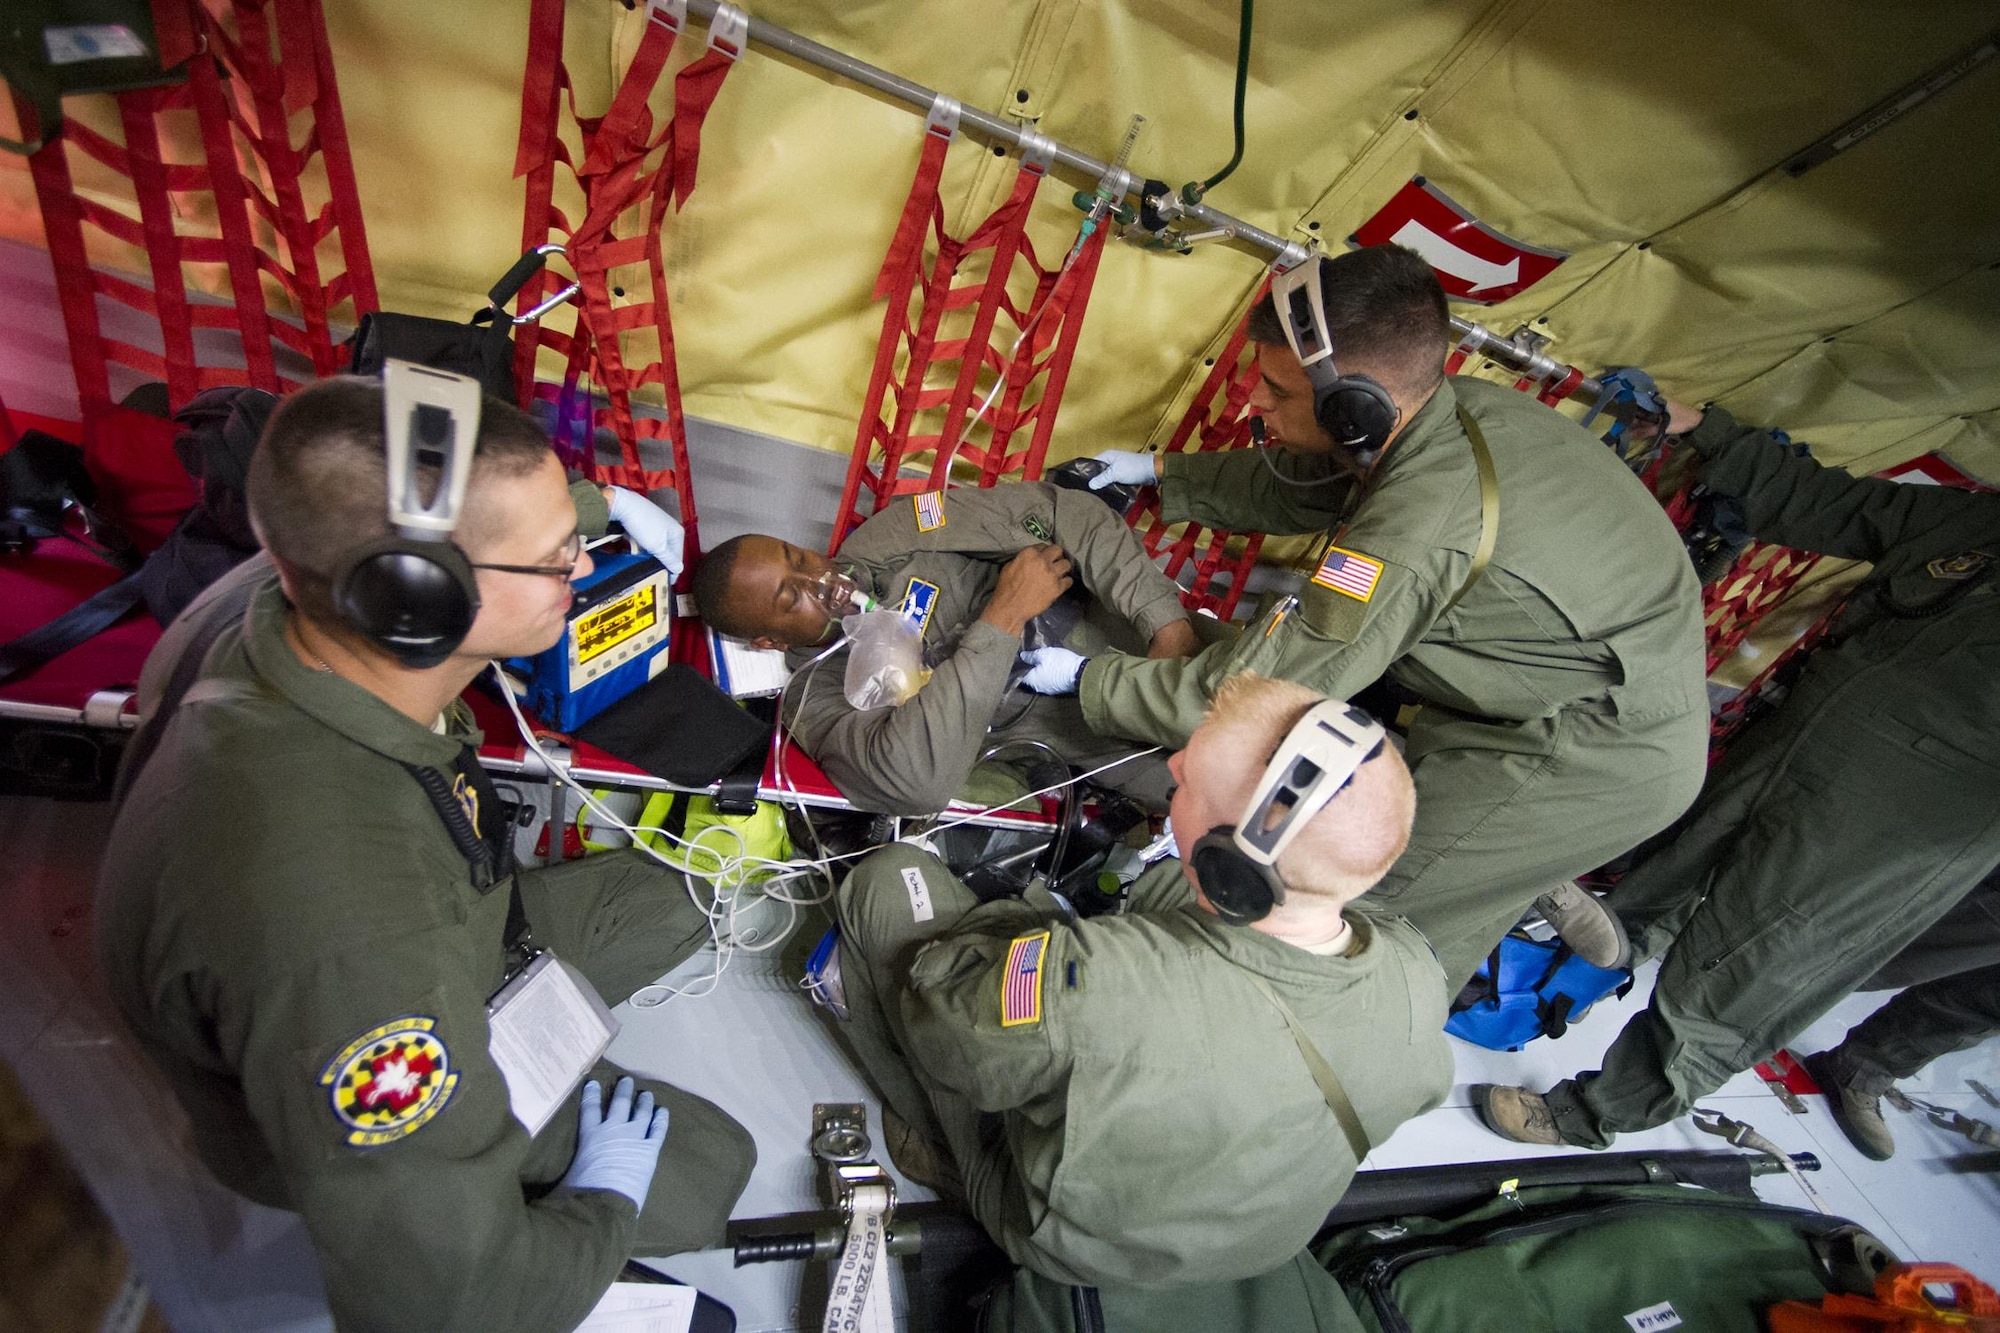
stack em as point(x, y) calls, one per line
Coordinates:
point(413, 593)
point(1354, 409)
point(1236, 864)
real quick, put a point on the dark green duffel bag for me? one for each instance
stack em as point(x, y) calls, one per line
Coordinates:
point(1297, 1297)
point(1588, 1258)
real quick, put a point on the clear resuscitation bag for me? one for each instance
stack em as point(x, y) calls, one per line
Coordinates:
point(885, 659)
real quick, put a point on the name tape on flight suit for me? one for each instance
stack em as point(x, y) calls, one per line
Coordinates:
point(1021, 981)
point(390, 1081)
point(930, 510)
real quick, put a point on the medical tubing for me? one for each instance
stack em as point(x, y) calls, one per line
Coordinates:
point(743, 859)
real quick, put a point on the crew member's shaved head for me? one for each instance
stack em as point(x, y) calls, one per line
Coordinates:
point(1348, 846)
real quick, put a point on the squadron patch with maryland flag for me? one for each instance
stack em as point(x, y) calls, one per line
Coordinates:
point(390, 1082)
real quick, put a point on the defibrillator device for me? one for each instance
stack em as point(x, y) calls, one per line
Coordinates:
point(616, 640)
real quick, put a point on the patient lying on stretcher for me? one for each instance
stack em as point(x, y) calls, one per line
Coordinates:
point(980, 576)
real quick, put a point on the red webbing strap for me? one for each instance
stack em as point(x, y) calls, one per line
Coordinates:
point(1457, 359)
point(542, 84)
point(62, 227)
point(232, 211)
point(1002, 230)
point(261, 96)
point(343, 207)
point(173, 32)
point(136, 112)
point(906, 246)
point(1562, 388)
point(1733, 604)
point(923, 214)
point(1214, 420)
point(223, 114)
point(695, 89)
point(271, 139)
point(1722, 726)
point(1057, 318)
point(614, 178)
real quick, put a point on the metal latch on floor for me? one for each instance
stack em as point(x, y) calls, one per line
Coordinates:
point(861, 1244)
point(1740, 1134)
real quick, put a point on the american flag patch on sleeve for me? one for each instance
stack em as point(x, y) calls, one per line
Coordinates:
point(1021, 983)
point(1350, 573)
point(930, 510)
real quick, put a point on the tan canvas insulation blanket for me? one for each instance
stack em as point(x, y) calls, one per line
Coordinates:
point(1853, 305)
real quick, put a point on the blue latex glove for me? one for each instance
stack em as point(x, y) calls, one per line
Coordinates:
point(1122, 467)
point(617, 1146)
point(1053, 670)
point(649, 526)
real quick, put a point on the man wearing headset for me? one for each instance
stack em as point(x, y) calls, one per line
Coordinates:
point(307, 904)
point(1177, 1094)
point(1486, 554)
point(977, 573)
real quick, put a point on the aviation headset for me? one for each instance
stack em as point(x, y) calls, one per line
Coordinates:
point(413, 593)
point(1237, 863)
point(1354, 409)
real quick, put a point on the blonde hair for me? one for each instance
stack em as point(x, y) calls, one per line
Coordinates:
point(1348, 846)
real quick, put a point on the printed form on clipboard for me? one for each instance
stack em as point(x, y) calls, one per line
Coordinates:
point(744, 672)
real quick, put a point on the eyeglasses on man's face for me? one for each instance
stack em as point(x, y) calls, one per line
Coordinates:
point(572, 551)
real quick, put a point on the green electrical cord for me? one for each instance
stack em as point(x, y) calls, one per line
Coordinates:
point(1193, 193)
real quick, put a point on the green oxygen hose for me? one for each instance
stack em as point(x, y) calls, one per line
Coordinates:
point(1194, 191)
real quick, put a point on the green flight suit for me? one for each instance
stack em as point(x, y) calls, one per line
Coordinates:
point(1566, 714)
point(912, 759)
point(1836, 830)
point(1122, 1104)
point(1953, 1013)
point(278, 889)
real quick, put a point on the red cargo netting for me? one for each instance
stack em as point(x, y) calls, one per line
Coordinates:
point(622, 340)
point(941, 374)
point(260, 86)
point(1214, 420)
point(1732, 605)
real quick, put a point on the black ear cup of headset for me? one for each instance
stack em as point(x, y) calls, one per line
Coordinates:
point(415, 600)
point(1354, 409)
point(1357, 412)
point(1239, 889)
point(413, 593)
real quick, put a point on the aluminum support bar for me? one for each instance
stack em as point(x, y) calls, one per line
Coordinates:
point(1011, 134)
point(1484, 342)
point(984, 124)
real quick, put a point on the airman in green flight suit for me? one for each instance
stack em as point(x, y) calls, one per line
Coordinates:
point(1564, 715)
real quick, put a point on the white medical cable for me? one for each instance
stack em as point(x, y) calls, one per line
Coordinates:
point(739, 864)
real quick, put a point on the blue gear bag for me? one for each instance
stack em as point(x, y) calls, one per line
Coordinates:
point(1541, 987)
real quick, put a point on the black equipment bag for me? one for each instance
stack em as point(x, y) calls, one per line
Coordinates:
point(482, 347)
point(219, 429)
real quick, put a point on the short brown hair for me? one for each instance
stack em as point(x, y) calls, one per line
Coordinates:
point(1386, 315)
point(318, 481)
point(1348, 846)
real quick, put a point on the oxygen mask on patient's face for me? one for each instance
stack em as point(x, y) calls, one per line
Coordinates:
point(840, 596)
point(885, 659)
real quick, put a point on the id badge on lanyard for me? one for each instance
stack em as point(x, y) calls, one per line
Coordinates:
point(545, 1028)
